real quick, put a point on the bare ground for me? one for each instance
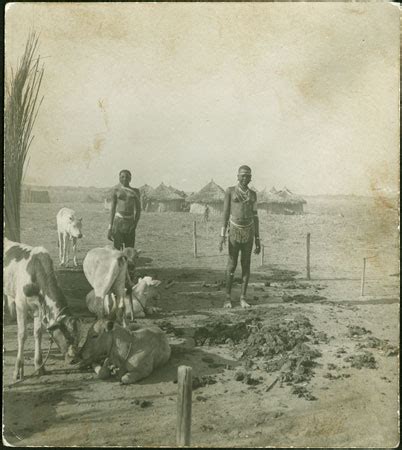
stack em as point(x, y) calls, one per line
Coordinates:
point(352, 407)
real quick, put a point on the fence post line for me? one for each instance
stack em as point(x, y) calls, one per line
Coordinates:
point(184, 382)
point(195, 238)
point(363, 277)
point(308, 256)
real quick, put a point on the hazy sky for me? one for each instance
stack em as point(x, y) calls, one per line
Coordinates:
point(307, 94)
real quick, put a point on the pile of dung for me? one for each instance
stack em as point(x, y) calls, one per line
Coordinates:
point(169, 328)
point(380, 344)
point(365, 359)
point(301, 298)
point(220, 332)
point(284, 347)
point(355, 330)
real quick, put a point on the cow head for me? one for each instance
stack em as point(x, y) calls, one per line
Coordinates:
point(149, 288)
point(98, 342)
point(74, 227)
point(65, 332)
point(131, 255)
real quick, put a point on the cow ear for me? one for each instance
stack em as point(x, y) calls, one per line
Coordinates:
point(155, 282)
point(138, 251)
point(31, 289)
point(109, 325)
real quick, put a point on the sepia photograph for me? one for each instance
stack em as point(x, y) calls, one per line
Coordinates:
point(201, 224)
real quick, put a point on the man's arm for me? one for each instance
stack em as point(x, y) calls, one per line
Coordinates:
point(226, 215)
point(112, 214)
point(226, 211)
point(256, 227)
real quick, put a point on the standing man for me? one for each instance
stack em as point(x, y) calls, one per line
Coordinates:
point(240, 211)
point(125, 212)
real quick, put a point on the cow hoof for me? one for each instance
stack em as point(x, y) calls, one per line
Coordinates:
point(244, 304)
point(227, 304)
point(41, 371)
point(126, 379)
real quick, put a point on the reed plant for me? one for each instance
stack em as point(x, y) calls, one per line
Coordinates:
point(22, 103)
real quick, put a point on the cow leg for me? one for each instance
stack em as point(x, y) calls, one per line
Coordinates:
point(75, 251)
point(67, 249)
point(60, 247)
point(63, 257)
point(38, 344)
point(21, 326)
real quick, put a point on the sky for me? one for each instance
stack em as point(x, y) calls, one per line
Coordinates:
point(306, 94)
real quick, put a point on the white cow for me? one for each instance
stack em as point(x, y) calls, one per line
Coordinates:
point(144, 291)
point(135, 354)
point(106, 270)
point(30, 286)
point(68, 229)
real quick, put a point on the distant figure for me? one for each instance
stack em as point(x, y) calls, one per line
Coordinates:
point(206, 213)
point(125, 212)
point(240, 209)
point(69, 228)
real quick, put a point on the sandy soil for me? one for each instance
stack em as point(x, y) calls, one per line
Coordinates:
point(353, 407)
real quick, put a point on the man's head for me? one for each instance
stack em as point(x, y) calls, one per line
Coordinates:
point(244, 175)
point(125, 177)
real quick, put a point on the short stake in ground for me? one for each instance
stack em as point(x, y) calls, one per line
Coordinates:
point(184, 382)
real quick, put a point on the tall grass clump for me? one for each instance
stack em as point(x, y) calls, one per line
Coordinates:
point(21, 109)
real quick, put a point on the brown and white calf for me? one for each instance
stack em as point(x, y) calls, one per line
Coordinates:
point(145, 290)
point(69, 229)
point(30, 286)
point(135, 354)
point(106, 270)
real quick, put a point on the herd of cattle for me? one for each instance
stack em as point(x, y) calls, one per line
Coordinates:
point(112, 343)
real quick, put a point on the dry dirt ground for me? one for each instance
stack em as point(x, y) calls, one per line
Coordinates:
point(238, 400)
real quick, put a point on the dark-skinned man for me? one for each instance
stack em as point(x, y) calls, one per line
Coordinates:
point(241, 219)
point(125, 212)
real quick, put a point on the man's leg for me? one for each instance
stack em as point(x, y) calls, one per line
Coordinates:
point(230, 270)
point(245, 261)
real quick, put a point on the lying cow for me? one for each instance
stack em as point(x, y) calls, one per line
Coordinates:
point(69, 228)
point(144, 291)
point(135, 354)
point(30, 285)
point(106, 270)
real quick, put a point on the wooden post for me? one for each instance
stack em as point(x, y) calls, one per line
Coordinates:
point(308, 256)
point(195, 238)
point(363, 277)
point(184, 381)
point(262, 255)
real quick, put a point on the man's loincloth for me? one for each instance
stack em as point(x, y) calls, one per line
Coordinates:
point(123, 224)
point(241, 234)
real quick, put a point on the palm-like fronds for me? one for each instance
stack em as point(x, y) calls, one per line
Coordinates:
point(21, 109)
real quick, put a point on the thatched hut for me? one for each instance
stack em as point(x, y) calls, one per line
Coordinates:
point(280, 202)
point(164, 199)
point(32, 196)
point(211, 195)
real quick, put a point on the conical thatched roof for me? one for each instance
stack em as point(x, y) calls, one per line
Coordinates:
point(178, 192)
point(211, 193)
point(163, 193)
point(284, 196)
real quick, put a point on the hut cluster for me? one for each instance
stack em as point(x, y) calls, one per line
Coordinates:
point(167, 198)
